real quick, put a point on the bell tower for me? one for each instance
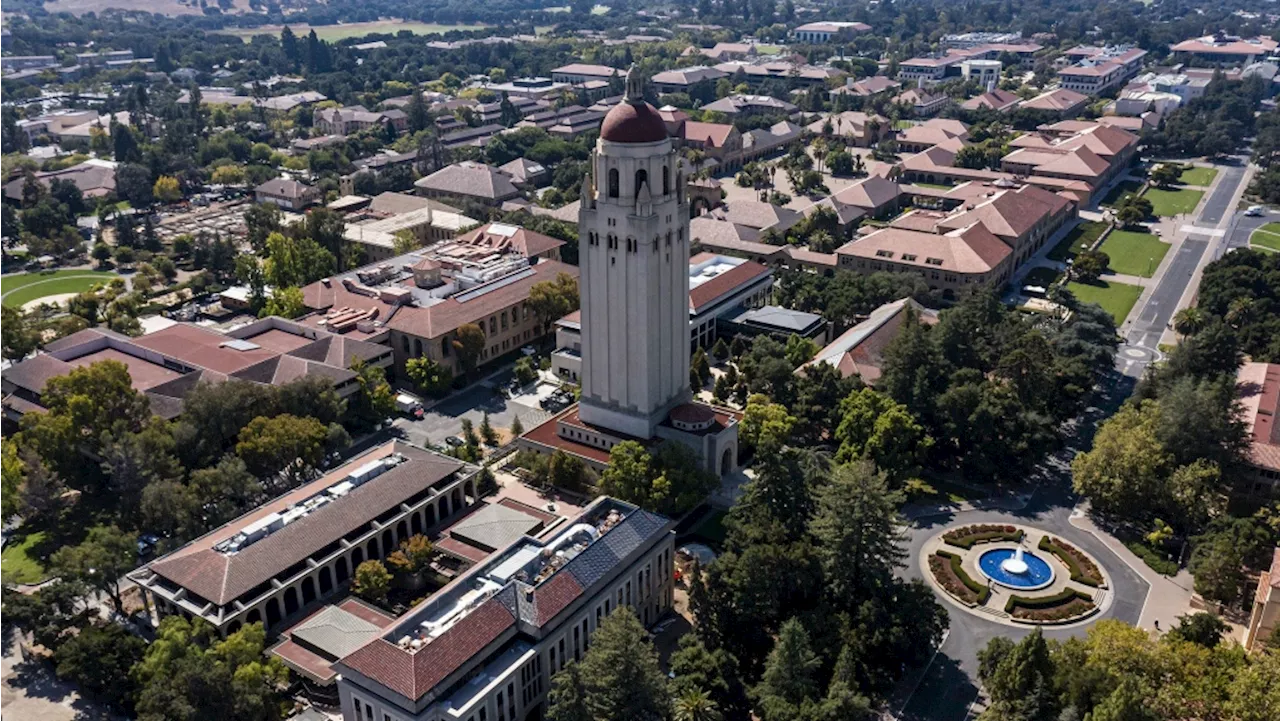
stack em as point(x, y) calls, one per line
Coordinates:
point(634, 259)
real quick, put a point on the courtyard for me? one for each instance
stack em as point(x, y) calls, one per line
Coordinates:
point(1081, 237)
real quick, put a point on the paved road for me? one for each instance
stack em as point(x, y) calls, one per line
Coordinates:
point(1154, 317)
point(1242, 228)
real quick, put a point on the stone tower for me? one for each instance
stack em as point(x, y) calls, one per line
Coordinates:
point(634, 259)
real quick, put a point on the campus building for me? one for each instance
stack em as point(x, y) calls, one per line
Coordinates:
point(1223, 49)
point(416, 302)
point(166, 365)
point(824, 31)
point(1097, 70)
point(1259, 390)
point(286, 555)
point(485, 647)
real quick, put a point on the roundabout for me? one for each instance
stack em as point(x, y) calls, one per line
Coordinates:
point(1016, 575)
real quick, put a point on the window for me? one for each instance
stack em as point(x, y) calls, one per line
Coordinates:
point(359, 711)
point(933, 261)
point(884, 253)
point(666, 180)
point(613, 182)
point(504, 320)
point(493, 325)
point(642, 177)
point(908, 256)
point(444, 347)
point(404, 340)
point(417, 347)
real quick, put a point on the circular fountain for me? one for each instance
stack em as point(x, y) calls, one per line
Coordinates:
point(1016, 568)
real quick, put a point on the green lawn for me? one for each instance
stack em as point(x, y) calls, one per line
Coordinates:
point(1080, 238)
point(1125, 188)
point(21, 289)
point(1202, 177)
point(1042, 276)
point(1115, 298)
point(1134, 253)
point(938, 186)
point(1268, 236)
point(1171, 202)
point(21, 561)
point(903, 124)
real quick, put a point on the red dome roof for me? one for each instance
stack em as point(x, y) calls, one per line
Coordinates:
point(692, 413)
point(633, 123)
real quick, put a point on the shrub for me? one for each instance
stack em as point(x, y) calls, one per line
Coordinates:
point(967, 589)
point(1082, 569)
point(970, 536)
point(1152, 558)
point(1060, 598)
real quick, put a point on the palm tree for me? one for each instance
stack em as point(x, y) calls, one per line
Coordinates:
point(1189, 321)
point(1240, 311)
point(696, 705)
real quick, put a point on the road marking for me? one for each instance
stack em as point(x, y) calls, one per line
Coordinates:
point(1202, 231)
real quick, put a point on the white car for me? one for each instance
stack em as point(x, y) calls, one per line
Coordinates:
point(1254, 211)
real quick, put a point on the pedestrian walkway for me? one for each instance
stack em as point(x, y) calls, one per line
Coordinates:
point(1167, 598)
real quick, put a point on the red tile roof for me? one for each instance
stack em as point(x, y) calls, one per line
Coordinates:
point(713, 134)
point(724, 284)
point(412, 674)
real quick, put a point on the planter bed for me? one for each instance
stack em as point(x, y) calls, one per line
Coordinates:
point(1082, 569)
point(970, 536)
point(949, 574)
point(1066, 605)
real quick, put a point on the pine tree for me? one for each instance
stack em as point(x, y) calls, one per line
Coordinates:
point(619, 678)
point(790, 675)
point(289, 44)
point(857, 533)
point(517, 428)
point(416, 112)
point(487, 433)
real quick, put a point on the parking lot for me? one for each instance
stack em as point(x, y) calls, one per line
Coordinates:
point(489, 396)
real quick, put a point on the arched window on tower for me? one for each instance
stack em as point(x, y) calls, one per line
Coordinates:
point(613, 182)
point(642, 177)
point(666, 180)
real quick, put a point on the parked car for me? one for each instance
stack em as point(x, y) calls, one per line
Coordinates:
point(454, 441)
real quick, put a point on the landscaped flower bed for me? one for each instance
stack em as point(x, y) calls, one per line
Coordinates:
point(949, 574)
point(1083, 570)
point(969, 536)
point(1066, 605)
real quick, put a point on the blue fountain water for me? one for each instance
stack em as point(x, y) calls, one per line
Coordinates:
point(1038, 572)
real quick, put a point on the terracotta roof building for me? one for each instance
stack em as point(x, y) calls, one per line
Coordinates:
point(868, 87)
point(934, 131)
point(165, 365)
point(468, 180)
point(859, 128)
point(487, 645)
point(947, 261)
point(681, 79)
point(1001, 101)
point(745, 105)
point(1265, 618)
point(1062, 102)
point(1259, 390)
point(284, 555)
point(416, 302)
point(287, 193)
point(823, 31)
point(94, 178)
point(860, 350)
point(1224, 49)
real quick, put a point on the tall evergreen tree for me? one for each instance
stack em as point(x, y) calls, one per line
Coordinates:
point(857, 534)
point(790, 680)
point(619, 677)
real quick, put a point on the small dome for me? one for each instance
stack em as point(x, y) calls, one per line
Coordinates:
point(633, 123)
point(692, 416)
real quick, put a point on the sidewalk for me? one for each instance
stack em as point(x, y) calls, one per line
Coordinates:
point(1167, 598)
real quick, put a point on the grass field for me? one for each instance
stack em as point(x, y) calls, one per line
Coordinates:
point(1080, 238)
point(938, 186)
point(1168, 203)
point(919, 490)
point(1042, 276)
point(1128, 187)
point(1268, 236)
point(1134, 253)
point(333, 33)
point(21, 289)
point(903, 125)
point(21, 560)
point(1115, 298)
point(1202, 177)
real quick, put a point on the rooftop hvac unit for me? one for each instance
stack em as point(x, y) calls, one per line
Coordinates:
point(366, 472)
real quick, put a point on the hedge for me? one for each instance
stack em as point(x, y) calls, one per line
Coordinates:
point(1060, 597)
point(1158, 563)
point(970, 536)
point(1088, 575)
point(977, 587)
